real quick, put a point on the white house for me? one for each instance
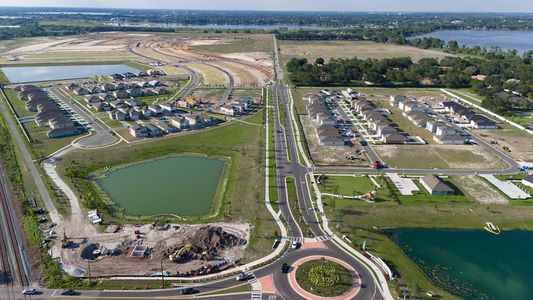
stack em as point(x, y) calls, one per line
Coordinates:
point(395, 100)
point(528, 181)
point(445, 130)
point(449, 139)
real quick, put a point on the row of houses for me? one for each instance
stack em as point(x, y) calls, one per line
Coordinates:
point(49, 114)
point(171, 125)
point(237, 106)
point(444, 133)
point(378, 123)
point(475, 120)
point(319, 110)
point(124, 94)
point(130, 110)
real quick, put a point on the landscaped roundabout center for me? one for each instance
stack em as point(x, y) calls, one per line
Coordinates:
point(319, 277)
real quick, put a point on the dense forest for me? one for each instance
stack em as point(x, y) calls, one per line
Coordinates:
point(500, 71)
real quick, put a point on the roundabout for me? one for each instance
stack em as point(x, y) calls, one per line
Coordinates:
point(324, 277)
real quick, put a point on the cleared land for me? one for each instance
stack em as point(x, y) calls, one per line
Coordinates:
point(244, 198)
point(519, 143)
point(438, 156)
point(349, 49)
point(210, 75)
point(255, 43)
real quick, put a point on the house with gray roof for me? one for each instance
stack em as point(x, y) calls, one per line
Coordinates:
point(435, 186)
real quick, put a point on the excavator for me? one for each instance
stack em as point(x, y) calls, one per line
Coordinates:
point(177, 256)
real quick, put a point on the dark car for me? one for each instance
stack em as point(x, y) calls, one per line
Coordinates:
point(188, 291)
point(68, 292)
point(285, 268)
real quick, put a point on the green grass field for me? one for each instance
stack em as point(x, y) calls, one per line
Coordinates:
point(248, 44)
point(350, 49)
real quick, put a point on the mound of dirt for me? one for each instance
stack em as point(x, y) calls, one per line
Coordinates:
point(209, 237)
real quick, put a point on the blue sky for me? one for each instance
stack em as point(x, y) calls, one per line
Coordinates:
point(307, 5)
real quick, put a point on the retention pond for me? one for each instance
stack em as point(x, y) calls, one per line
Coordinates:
point(472, 264)
point(180, 185)
point(51, 73)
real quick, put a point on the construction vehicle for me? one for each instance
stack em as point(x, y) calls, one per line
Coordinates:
point(177, 256)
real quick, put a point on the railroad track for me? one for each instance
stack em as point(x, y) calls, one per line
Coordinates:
point(14, 272)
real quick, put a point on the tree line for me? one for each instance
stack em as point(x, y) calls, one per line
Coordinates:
point(503, 71)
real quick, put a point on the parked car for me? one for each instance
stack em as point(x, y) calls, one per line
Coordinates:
point(29, 291)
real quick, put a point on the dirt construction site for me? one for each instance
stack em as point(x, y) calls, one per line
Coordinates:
point(243, 61)
point(183, 250)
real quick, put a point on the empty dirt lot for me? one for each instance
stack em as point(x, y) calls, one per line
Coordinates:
point(438, 156)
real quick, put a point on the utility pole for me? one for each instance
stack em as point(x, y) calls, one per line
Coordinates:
point(162, 274)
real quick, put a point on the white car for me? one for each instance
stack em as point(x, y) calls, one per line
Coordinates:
point(295, 245)
point(29, 291)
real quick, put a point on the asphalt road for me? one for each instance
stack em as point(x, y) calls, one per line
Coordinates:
point(292, 167)
point(103, 136)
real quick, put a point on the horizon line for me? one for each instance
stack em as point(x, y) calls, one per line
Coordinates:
point(280, 10)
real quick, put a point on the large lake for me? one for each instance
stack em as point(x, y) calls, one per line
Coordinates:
point(181, 185)
point(522, 41)
point(473, 264)
point(50, 73)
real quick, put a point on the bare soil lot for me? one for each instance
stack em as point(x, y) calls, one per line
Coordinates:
point(480, 190)
point(349, 49)
point(221, 241)
point(438, 156)
point(519, 143)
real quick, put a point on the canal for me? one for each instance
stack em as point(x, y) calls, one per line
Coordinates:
point(472, 264)
point(179, 185)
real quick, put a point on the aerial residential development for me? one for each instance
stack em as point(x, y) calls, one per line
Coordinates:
point(263, 152)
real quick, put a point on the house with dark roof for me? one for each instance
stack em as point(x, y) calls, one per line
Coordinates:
point(482, 122)
point(435, 186)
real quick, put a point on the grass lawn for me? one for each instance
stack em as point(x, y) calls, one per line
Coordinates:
point(347, 185)
point(387, 194)
point(243, 200)
point(3, 78)
point(246, 44)
point(18, 105)
point(349, 49)
point(44, 145)
point(324, 278)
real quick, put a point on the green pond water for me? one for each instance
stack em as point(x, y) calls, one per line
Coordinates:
point(182, 185)
point(473, 264)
